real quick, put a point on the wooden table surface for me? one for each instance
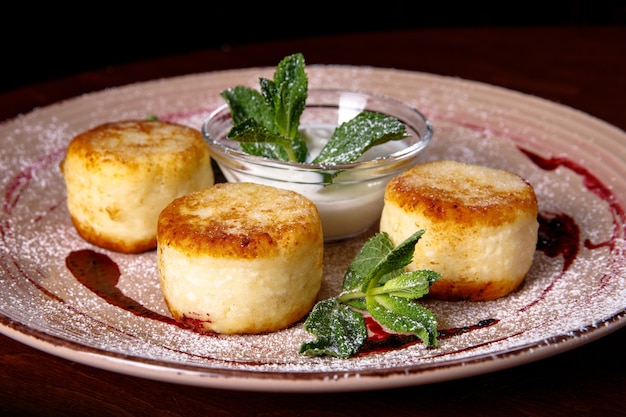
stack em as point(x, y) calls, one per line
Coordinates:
point(581, 67)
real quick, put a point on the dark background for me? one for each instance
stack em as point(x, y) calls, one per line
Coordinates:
point(50, 41)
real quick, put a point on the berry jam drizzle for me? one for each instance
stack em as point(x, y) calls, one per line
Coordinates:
point(559, 235)
point(591, 183)
point(379, 341)
point(566, 245)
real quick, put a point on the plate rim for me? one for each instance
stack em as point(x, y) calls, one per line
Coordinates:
point(315, 382)
point(38, 340)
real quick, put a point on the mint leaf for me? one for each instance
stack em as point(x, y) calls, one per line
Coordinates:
point(340, 331)
point(246, 103)
point(400, 256)
point(355, 302)
point(374, 250)
point(402, 315)
point(352, 138)
point(248, 106)
point(287, 94)
point(250, 133)
point(378, 258)
point(409, 285)
point(272, 115)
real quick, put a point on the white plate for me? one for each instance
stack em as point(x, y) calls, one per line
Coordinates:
point(575, 292)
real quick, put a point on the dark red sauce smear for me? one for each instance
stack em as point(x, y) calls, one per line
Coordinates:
point(100, 274)
point(593, 184)
point(559, 235)
point(380, 341)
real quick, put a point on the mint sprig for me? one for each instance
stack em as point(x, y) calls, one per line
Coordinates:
point(375, 284)
point(266, 123)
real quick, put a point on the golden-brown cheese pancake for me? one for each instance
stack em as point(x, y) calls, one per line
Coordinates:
point(120, 175)
point(240, 258)
point(480, 226)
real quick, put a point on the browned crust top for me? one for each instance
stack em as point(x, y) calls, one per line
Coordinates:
point(239, 220)
point(133, 141)
point(463, 193)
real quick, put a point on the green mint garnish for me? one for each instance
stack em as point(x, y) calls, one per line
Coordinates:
point(375, 284)
point(266, 123)
point(340, 330)
point(352, 138)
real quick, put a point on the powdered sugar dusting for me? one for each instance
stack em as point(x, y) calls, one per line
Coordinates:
point(472, 123)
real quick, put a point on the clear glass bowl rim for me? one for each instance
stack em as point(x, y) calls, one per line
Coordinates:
point(425, 130)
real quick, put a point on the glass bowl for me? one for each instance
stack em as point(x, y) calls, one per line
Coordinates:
point(349, 197)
